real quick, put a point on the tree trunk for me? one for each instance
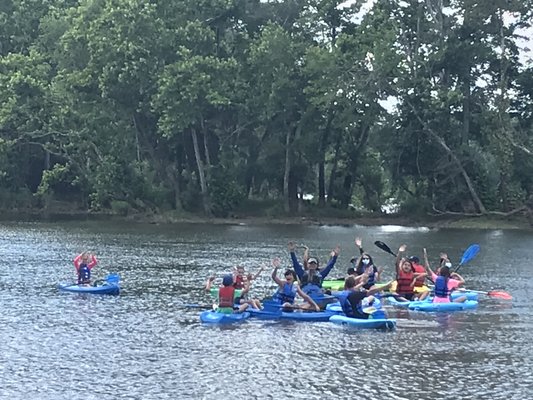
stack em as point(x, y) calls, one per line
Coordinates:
point(334, 170)
point(174, 177)
point(466, 107)
point(286, 175)
point(322, 160)
point(201, 173)
point(475, 198)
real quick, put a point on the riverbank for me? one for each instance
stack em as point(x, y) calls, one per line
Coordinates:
point(429, 221)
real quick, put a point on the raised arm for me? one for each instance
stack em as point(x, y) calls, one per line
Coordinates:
point(276, 263)
point(401, 249)
point(456, 276)
point(358, 244)
point(374, 289)
point(209, 283)
point(254, 277)
point(93, 262)
point(298, 268)
point(426, 264)
point(331, 263)
point(77, 260)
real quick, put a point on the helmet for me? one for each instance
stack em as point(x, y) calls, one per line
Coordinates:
point(227, 280)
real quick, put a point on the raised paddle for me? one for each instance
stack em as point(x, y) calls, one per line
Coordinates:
point(468, 255)
point(384, 247)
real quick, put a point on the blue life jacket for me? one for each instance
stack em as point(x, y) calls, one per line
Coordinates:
point(84, 274)
point(308, 279)
point(286, 294)
point(441, 287)
point(313, 290)
point(347, 306)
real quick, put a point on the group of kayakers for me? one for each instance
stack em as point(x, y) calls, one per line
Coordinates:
point(305, 280)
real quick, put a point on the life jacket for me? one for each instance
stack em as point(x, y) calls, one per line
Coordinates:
point(419, 269)
point(225, 296)
point(441, 287)
point(238, 282)
point(84, 274)
point(314, 279)
point(347, 306)
point(404, 280)
point(287, 294)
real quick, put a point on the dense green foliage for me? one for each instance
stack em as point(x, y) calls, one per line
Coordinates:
point(156, 105)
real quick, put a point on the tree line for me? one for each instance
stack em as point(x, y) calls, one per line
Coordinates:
point(201, 105)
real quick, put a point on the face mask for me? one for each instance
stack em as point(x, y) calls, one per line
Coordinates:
point(448, 264)
point(366, 261)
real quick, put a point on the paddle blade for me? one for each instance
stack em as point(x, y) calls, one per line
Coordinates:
point(369, 310)
point(384, 247)
point(499, 294)
point(469, 254)
point(113, 278)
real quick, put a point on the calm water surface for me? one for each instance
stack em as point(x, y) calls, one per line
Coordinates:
point(146, 344)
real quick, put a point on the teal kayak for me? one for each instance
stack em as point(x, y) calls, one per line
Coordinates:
point(380, 323)
point(213, 317)
point(442, 307)
point(307, 316)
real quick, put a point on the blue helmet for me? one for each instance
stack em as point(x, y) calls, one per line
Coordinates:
point(227, 280)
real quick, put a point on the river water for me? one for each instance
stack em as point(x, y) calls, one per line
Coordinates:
point(148, 344)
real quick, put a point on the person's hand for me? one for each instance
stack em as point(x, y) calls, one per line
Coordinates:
point(303, 246)
point(250, 277)
point(291, 246)
point(276, 262)
point(336, 251)
point(317, 308)
point(444, 256)
point(358, 242)
point(403, 247)
point(211, 278)
point(380, 270)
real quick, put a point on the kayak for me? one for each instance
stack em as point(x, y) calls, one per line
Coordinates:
point(108, 286)
point(442, 307)
point(381, 323)
point(469, 295)
point(308, 316)
point(336, 307)
point(333, 284)
point(213, 317)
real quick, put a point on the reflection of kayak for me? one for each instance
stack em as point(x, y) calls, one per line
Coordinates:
point(109, 286)
point(370, 323)
point(213, 317)
point(271, 313)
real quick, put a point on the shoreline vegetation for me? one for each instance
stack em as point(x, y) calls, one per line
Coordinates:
point(310, 218)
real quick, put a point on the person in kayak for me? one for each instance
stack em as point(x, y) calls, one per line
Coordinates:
point(311, 279)
point(239, 281)
point(406, 278)
point(353, 295)
point(365, 264)
point(227, 295)
point(288, 289)
point(445, 282)
point(84, 263)
point(420, 282)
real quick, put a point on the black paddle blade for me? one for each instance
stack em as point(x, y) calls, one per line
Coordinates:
point(384, 247)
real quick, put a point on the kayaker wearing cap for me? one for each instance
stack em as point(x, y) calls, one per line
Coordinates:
point(365, 264)
point(287, 291)
point(311, 280)
point(227, 294)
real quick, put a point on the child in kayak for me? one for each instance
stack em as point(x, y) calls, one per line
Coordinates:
point(311, 279)
point(288, 289)
point(420, 282)
point(351, 298)
point(84, 263)
point(406, 278)
point(445, 282)
point(239, 281)
point(365, 264)
point(227, 294)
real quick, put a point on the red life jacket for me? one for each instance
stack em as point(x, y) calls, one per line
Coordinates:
point(419, 269)
point(225, 296)
point(404, 282)
point(238, 282)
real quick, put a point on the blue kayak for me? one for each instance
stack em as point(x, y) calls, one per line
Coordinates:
point(308, 316)
point(381, 323)
point(442, 307)
point(336, 307)
point(108, 286)
point(469, 295)
point(213, 317)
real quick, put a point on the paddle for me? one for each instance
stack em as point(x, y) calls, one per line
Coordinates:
point(499, 294)
point(384, 247)
point(113, 278)
point(468, 255)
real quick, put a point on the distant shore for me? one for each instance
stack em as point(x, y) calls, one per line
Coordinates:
point(430, 221)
